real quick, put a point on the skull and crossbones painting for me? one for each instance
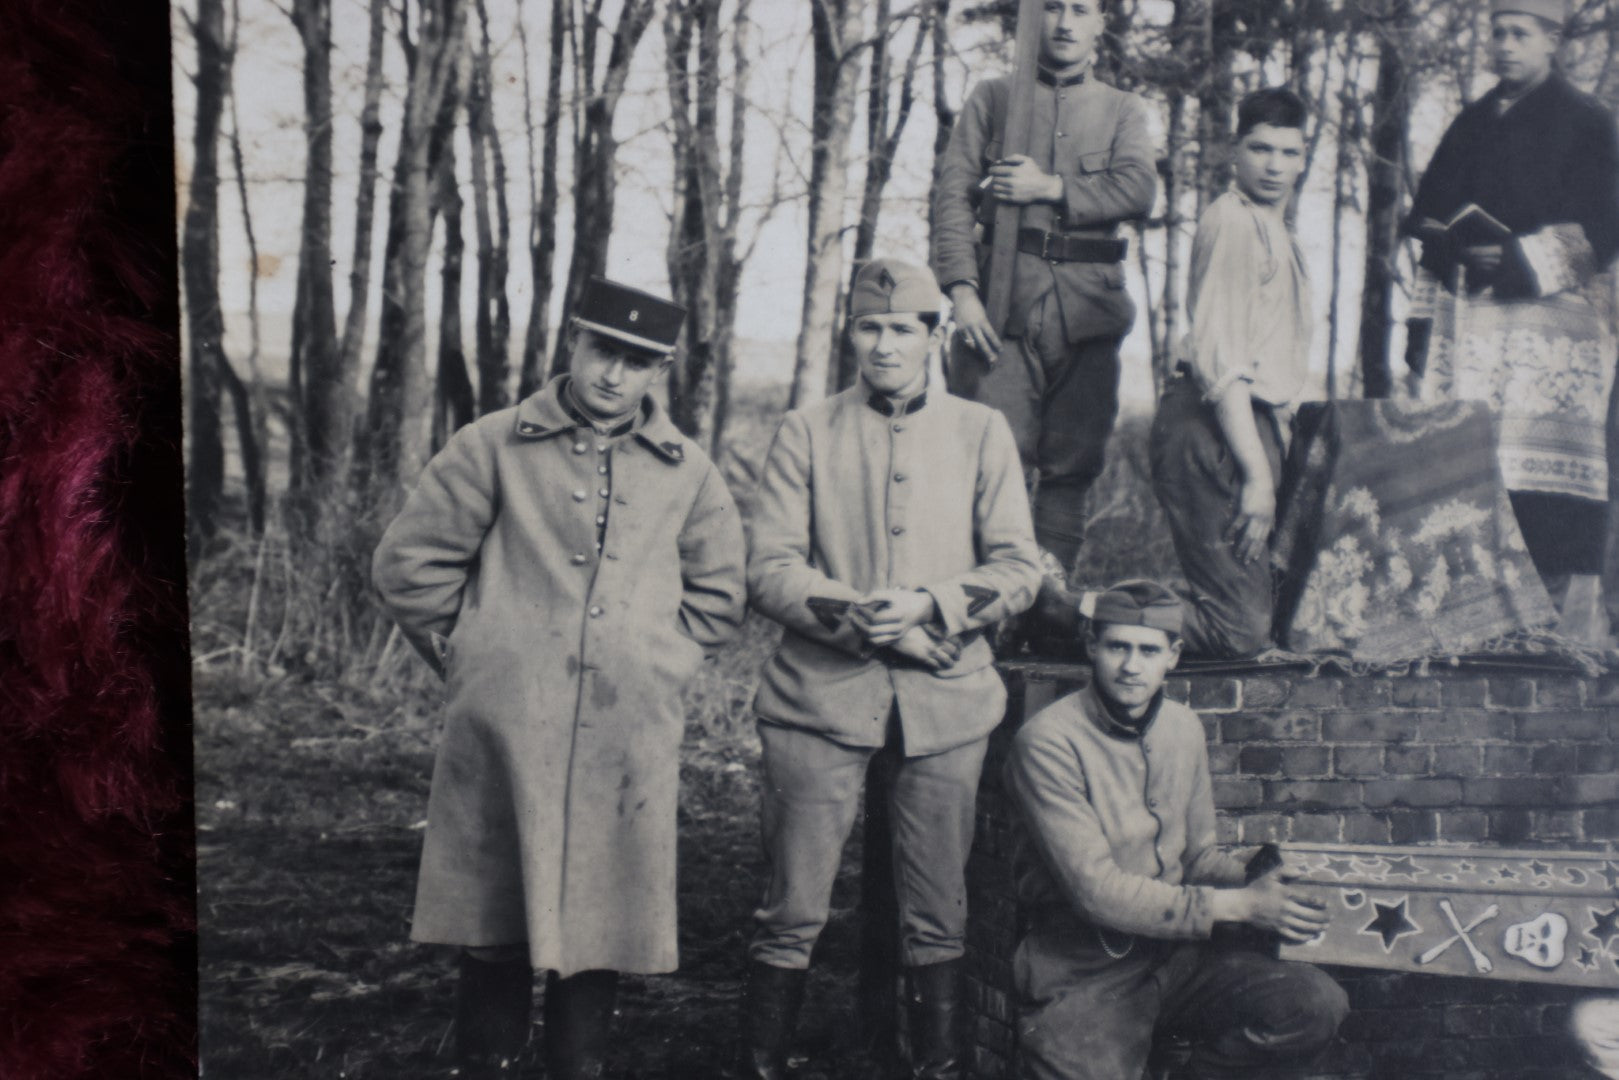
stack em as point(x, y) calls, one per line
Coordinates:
point(1539, 941)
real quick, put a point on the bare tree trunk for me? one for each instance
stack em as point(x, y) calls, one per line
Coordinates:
point(394, 440)
point(1350, 132)
point(321, 425)
point(595, 179)
point(1217, 101)
point(205, 324)
point(837, 29)
point(542, 241)
point(882, 143)
point(365, 203)
point(944, 117)
point(453, 401)
point(1391, 114)
point(252, 425)
point(494, 318)
point(728, 277)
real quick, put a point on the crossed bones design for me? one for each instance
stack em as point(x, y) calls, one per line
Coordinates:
point(1481, 963)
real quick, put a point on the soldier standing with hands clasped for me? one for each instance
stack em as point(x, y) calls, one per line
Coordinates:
point(891, 529)
point(1053, 367)
point(563, 564)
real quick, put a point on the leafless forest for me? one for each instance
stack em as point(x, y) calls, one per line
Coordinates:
point(444, 175)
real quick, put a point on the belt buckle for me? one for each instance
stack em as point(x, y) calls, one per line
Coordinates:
point(1045, 247)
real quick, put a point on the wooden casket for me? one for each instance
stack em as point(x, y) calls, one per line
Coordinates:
point(1528, 916)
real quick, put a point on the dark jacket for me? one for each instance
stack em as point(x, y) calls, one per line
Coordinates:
point(1550, 159)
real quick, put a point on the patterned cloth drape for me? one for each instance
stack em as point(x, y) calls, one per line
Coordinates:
point(1396, 540)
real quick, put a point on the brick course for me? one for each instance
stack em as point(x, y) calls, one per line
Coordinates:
point(1462, 756)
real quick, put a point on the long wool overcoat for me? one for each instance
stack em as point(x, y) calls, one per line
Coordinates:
point(553, 804)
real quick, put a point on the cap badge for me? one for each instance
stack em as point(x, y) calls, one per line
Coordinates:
point(886, 280)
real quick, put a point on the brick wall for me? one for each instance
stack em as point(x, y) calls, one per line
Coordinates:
point(1520, 759)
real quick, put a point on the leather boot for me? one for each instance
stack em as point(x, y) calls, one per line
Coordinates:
point(770, 1005)
point(493, 1004)
point(578, 1020)
point(931, 1011)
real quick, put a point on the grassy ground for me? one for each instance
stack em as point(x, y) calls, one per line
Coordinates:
point(311, 799)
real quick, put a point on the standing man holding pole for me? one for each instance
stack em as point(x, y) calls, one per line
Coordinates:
point(1046, 164)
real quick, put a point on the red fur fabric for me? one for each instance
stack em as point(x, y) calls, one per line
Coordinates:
point(97, 957)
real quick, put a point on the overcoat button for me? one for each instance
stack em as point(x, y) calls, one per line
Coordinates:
point(595, 612)
point(580, 496)
point(603, 493)
point(580, 448)
point(899, 478)
point(897, 530)
point(602, 469)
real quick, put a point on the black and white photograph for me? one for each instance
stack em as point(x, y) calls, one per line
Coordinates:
point(901, 539)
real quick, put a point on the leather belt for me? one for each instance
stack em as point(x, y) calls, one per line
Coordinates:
point(1059, 247)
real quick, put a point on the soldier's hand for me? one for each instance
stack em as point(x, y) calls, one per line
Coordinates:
point(1019, 181)
point(1249, 533)
point(1274, 904)
point(886, 615)
point(929, 650)
point(972, 321)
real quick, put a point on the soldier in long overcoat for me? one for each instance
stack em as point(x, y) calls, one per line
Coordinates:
point(563, 564)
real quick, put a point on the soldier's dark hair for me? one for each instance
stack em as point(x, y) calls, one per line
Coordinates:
point(1275, 105)
point(930, 319)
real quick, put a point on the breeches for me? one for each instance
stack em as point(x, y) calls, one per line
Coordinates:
point(811, 796)
point(1086, 1016)
point(1061, 398)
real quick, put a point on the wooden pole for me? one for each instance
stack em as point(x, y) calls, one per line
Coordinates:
point(1014, 140)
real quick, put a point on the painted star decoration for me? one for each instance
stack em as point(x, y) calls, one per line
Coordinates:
point(1340, 867)
point(1404, 866)
point(1587, 958)
point(1610, 874)
point(1540, 869)
point(1393, 922)
point(1604, 925)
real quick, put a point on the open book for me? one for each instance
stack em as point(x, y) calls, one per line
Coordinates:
point(1470, 226)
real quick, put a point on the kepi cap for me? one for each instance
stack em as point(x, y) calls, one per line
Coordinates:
point(1553, 11)
point(888, 286)
point(1140, 602)
point(629, 315)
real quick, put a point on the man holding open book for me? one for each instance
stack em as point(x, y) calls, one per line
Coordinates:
point(1518, 213)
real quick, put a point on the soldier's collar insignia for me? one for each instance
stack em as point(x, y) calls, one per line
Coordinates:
point(885, 405)
point(1047, 77)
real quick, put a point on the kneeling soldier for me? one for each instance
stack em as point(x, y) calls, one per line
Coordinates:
point(892, 528)
point(564, 564)
point(1124, 883)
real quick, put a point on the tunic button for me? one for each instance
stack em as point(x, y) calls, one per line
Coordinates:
point(897, 530)
point(602, 469)
point(580, 496)
point(601, 448)
point(603, 493)
point(579, 560)
point(595, 612)
point(899, 427)
point(580, 448)
point(600, 520)
point(1153, 803)
point(899, 478)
